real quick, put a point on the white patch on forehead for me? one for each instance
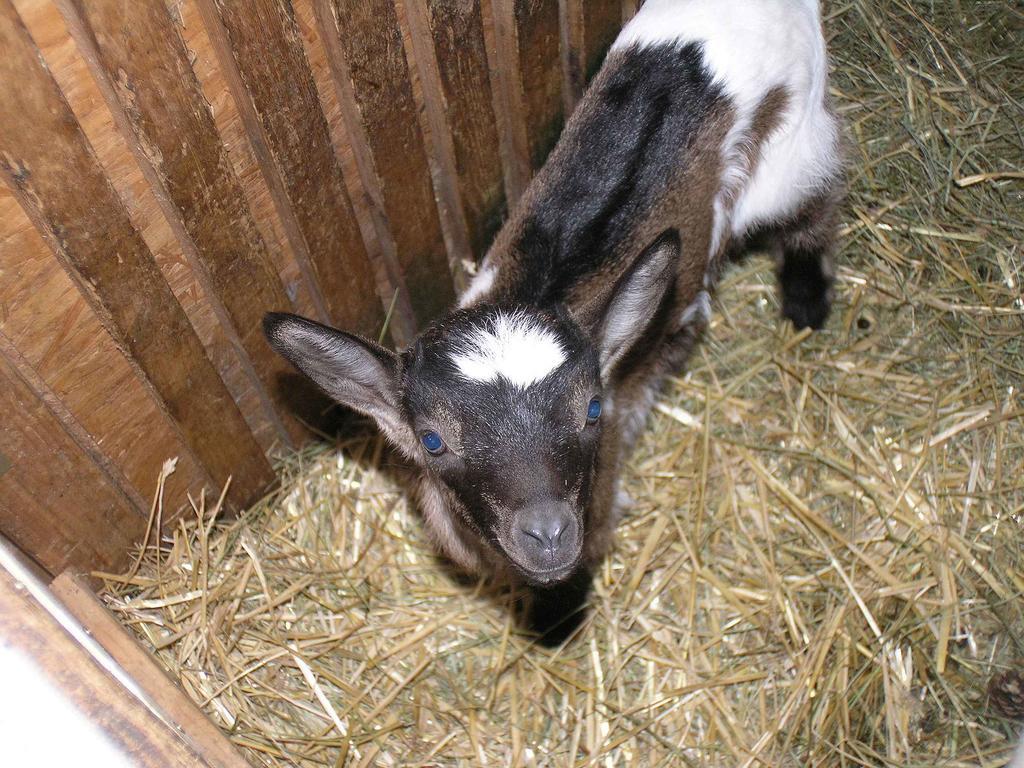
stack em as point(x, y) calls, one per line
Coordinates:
point(513, 347)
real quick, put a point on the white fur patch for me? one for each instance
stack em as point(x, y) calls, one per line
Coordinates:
point(752, 47)
point(478, 286)
point(513, 347)
point(442, 527)
point(735, 174)
point(1017, 761)
point(699, 311)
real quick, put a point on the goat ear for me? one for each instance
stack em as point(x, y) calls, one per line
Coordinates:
point(354, 371)
point(635, 300)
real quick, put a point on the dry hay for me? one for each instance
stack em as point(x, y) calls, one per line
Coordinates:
point(823, 564)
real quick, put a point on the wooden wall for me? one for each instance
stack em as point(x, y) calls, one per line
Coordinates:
point(169, 171)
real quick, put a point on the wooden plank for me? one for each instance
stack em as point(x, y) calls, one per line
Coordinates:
point(28, 629)
point(56, 504)
point(260, 50)
point(570, 14)
point(141, 64)
point(370, 66)
point(588, 29)
point(509, 108)
point(63, 190)
point(385, 265)
point(538, 39)
point(72, 426)
point(68, 67)
point(602, 20)
point(202, 735)
point(629, 8)
point(351, 146)
point(304, 294)
point(267, 197)
point(429, 101)
point(53, 329)
point(238, 121)
point(449, 40)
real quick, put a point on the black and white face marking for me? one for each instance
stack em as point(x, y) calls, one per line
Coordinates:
point(506, 404)
point(499, 405)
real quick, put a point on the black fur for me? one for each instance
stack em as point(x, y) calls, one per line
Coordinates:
point(803, 246)
point(515, 445)
point(513, 450)
point(556, 612)
point(806, 288)
point(614, 167)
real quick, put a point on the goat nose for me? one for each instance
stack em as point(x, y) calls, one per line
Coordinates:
point(546, 530)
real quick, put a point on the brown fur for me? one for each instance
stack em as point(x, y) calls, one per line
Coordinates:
point(686, 205)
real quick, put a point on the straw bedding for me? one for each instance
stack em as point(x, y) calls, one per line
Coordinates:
point(823, 565)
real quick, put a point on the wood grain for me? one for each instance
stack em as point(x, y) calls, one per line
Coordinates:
point(320, 69)
point(56, 504)
point(144, 739)
point(304, 294)
point(72, 426)
point(454, 40)
point(205, 738)
point(428, 96)
point(63, 190)
point(602, 20)
point(141, 63)
point(524, 39)
point(588, 29)
point(56, 333)
point(507, 83)
point(67, 65)
point(350, 139)
point(259, 42)
point(538, 40)
point(369, 63)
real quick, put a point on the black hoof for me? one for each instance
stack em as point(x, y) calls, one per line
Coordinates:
point(557, 611)
point(553, 631)
point(806, 311)
point(806, 290)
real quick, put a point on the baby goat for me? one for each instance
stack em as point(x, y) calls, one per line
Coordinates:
point(706, 133)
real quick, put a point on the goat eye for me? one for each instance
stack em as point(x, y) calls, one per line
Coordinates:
point(433, 443)
point(593, 411)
